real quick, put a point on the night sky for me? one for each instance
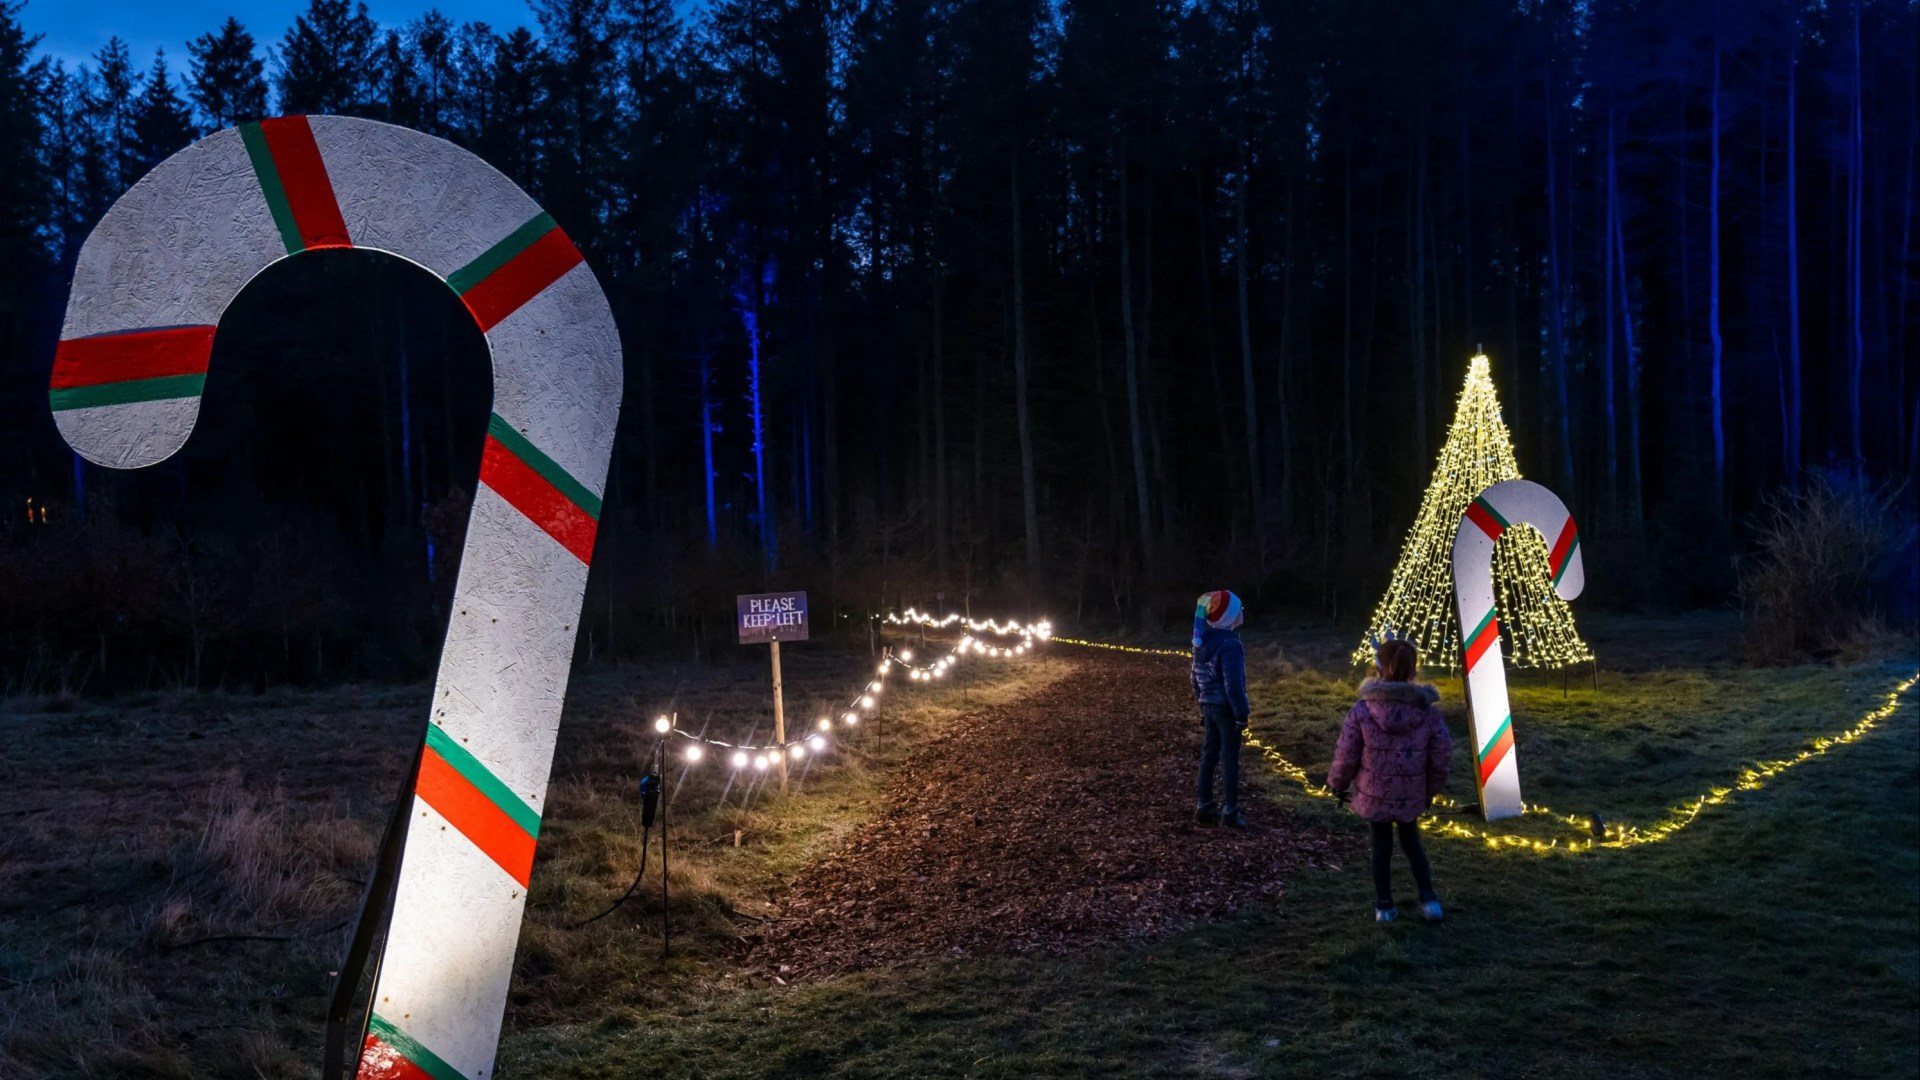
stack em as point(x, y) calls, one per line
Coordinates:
point(73, 30)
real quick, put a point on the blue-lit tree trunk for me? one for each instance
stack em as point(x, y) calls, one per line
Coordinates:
point(1256, 486)
point(1790, 436)
point(79, 487)
point(707, 429)
point(1713, 283)
point(1556, 306)
point(1857, 344)
point(756, 412)
point(1635, 496)
point(1607, 367)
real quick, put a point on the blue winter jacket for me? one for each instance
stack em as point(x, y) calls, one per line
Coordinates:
point(1220, 671)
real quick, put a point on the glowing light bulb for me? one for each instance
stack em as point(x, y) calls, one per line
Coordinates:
point(739, 759)
point(866, 702)
point(824, 724)
point(693, 752)
point(761, 762)
point(818, 743)
point(797, 751)
point(850, 718)
point(907, 655)
point(884, 666)
point(663, 725)
point(873, 688)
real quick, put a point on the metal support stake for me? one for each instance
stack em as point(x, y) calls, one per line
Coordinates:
point(376, 912)
point(666, 911)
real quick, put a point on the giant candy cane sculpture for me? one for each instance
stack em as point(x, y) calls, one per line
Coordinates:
point(148, 293)
point(1492, 512)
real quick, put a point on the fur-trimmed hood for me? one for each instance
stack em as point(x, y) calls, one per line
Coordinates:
point(1405, 693)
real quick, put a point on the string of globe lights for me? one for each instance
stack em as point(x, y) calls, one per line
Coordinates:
point(864, 702)
point(1027, 632)
point(1595, 833)
point(1037, 631)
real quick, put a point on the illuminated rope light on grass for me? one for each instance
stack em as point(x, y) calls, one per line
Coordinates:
point(1184, 653)
point(1418, 603)
point(1753, 777)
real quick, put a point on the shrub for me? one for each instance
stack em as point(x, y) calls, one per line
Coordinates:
point(1831, 557)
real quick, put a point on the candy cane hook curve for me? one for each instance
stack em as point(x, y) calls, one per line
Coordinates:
point(151, 284)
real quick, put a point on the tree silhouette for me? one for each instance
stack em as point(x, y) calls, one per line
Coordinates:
point(228, 79)
point(327, 60)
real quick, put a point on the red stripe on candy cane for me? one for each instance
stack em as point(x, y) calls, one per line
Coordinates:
point(1482, 642)
point(1562, 545)
point(1495, 755)
point(542, 503)
point(477, 817)
point(303, 175)
point(132, 354)
point(1479, 516)
point(526, 276)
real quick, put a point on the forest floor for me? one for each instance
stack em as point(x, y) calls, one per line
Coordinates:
point(1005, 881)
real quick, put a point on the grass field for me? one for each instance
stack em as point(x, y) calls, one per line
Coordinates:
point(1777, 935)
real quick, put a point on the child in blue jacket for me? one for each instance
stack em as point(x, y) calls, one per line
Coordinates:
point(1220, 687)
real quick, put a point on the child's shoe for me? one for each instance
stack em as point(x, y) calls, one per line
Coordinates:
point(1207, 815)
point(1232, 820)
point(1430, 910)
point(1385, 914)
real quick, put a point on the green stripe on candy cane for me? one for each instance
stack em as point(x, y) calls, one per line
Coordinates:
point(464, 279)
point(1485, 621)
point(549, 469)
point(380, 1030)
point(1494, 739)
point(270, 186)
point(1491, 512)
point(165, 388)
point(483, 779)
point(1567, 559)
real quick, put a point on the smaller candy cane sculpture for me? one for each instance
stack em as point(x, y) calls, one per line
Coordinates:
point(149, 290)
point(1490, 719)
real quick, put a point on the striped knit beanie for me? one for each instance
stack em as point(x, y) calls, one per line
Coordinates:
point(1219, 609)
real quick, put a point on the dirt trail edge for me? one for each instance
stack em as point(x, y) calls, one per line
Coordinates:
point(1061, 821)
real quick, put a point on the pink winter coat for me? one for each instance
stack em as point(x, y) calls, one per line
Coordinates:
point(1394, 751)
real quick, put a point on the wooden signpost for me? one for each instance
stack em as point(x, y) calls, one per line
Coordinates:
point(772, 618)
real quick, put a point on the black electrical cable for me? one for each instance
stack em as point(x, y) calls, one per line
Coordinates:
point(649, 805)
point(630, 889)
point(666, 909)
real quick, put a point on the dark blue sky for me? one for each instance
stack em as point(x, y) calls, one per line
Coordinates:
point(72, 30)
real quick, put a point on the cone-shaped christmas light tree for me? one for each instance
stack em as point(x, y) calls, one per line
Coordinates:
point(1538, 625)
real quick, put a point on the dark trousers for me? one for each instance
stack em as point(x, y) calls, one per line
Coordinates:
point(1220, 748)
point(1383, 860)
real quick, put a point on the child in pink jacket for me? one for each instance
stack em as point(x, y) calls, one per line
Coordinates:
point(1392, 759)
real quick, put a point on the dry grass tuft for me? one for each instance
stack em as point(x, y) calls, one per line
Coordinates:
point(180, 867)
